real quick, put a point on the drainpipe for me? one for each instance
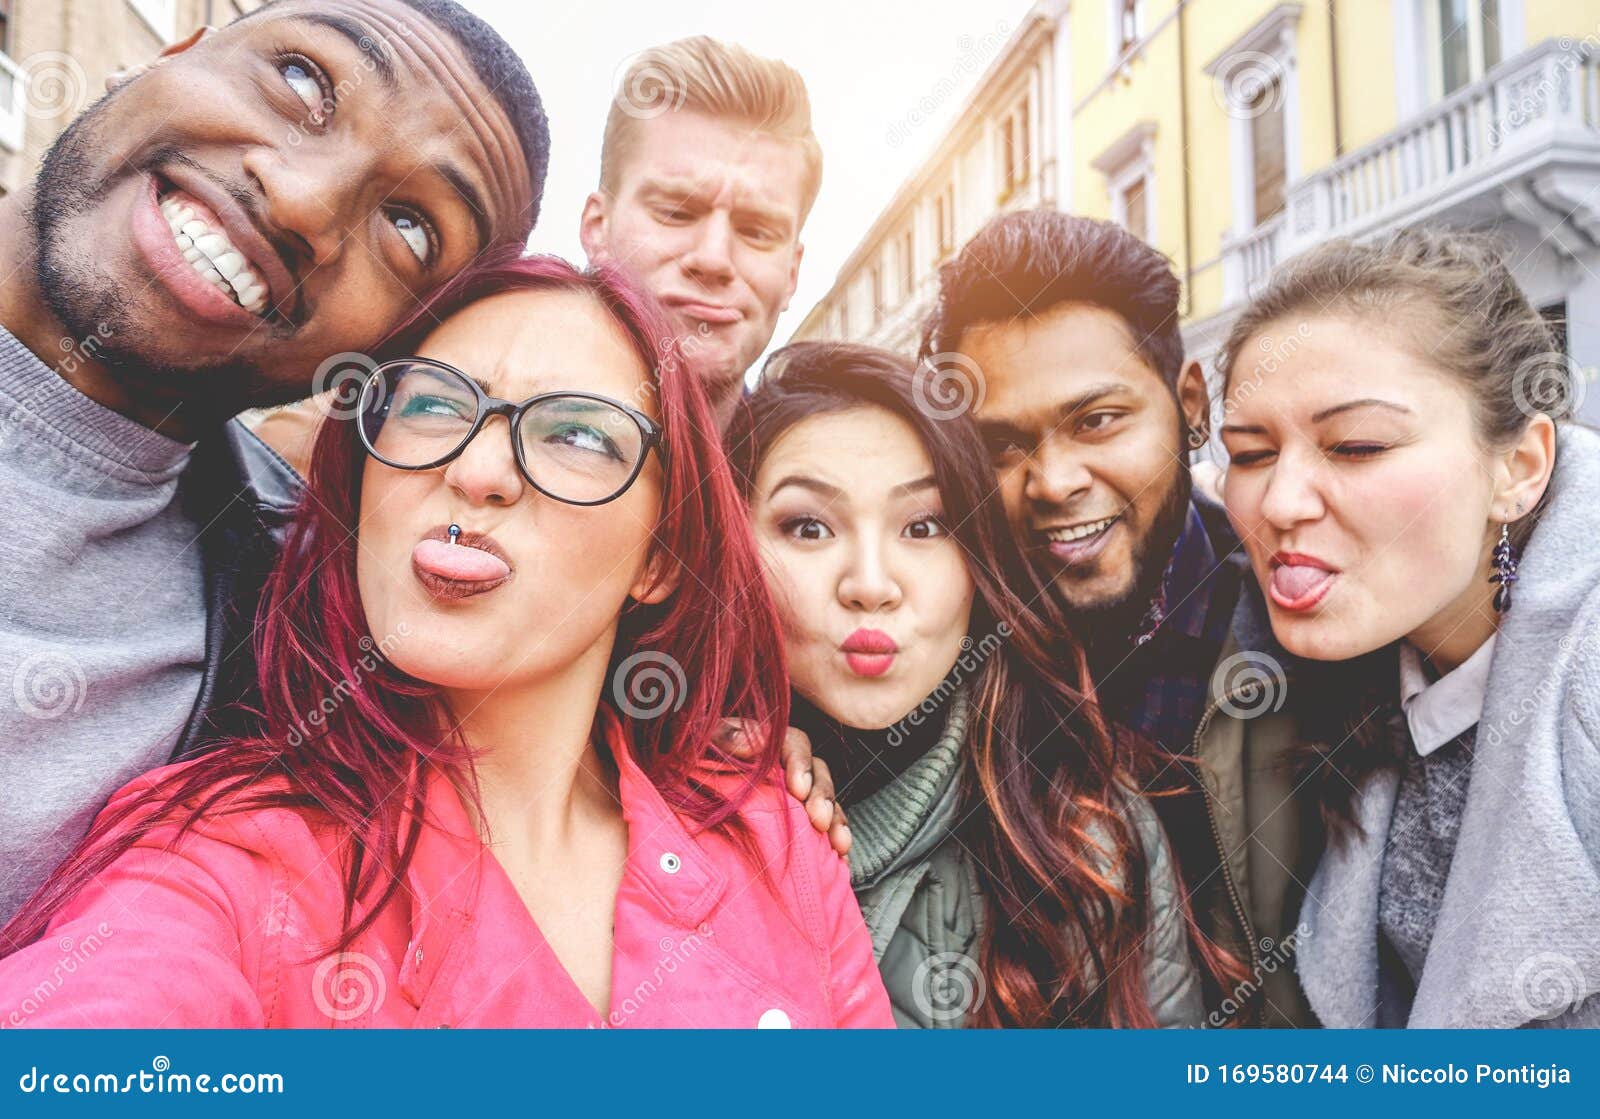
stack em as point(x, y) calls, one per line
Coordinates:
point(1333, 69)
point(1183, 139)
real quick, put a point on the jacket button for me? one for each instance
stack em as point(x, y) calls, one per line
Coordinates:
point(670, 863)
point(419, 957)
point(773, 1019)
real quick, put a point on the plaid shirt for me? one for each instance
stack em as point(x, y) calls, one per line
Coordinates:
point(1160, 689)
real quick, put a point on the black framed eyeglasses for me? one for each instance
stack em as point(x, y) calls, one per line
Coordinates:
point(577, 447)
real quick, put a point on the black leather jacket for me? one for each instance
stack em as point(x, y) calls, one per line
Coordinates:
point(243, 495)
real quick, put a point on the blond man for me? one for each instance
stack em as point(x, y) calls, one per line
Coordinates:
point(707, 172)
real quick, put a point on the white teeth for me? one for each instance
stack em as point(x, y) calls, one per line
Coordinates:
point(1080, 532)
point(213, 256)
point(228, 264)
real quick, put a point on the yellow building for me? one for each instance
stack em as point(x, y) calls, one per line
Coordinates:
point(1231, 134)
point(55, 56)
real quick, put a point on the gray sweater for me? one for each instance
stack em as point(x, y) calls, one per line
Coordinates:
point(102, 612)
point(1517, 938)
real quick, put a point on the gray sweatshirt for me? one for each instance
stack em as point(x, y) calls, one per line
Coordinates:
point(102, 612)
point(1517, 936)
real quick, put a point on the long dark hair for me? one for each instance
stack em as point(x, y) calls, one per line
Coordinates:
point(366, 767)
point(1064, 875)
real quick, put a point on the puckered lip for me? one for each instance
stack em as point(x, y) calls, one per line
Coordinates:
point(1299, 559)
point(873, 642)
point(472, 539)
point(242, 231)
point(706, 310)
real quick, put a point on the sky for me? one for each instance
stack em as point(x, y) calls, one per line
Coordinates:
point(877, 72)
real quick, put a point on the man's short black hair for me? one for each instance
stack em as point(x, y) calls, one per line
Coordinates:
point(1023, 264)
point(502, 71)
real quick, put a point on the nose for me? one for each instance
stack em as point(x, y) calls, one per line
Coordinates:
point(867, 583)
point(306, 198)
point(1055, 475)
point(486, 472)
point(1293, 494)
point(709, 258)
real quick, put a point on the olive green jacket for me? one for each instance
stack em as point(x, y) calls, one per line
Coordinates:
point(919, 892)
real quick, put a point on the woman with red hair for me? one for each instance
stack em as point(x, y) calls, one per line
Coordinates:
point(517, 602)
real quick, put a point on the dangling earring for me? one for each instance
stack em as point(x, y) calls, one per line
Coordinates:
point(1504, 562)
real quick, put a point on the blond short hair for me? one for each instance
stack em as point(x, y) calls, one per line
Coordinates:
point(722, 80)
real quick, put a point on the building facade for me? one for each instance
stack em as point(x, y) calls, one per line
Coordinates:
point(55, 56)
point(1231, 134)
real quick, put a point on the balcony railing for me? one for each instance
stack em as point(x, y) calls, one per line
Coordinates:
point(1532, 108)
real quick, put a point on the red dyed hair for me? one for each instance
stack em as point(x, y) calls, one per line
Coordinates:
point(366, 769)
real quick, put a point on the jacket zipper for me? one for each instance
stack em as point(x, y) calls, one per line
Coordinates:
point(1216, 838)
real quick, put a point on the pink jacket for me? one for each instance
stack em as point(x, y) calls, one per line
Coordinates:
point(228, 930)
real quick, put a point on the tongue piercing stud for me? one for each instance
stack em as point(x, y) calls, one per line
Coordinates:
point(455, 533)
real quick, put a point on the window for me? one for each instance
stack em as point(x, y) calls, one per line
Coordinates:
point(1133, 208)
point(1256, 83)
point(1127, 25)
point(844, 314)
point(5, 26)
point(1467, 39)
point(908, 264)
point(1015, 153)
point(944, 217)
point(877, 294)
point(1267, 150)
point(1130, 182)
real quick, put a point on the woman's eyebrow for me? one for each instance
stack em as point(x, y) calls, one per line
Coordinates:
point(820, 488)
point(1364, 402)
point(926, 482)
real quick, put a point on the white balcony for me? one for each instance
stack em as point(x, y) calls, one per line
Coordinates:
point(1523, 142)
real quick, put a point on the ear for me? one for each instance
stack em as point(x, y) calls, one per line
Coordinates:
point(1523, 472)
point(123, 77)
point(660, 577)
point(794, 275)
point(592, 227)
point(1194, 401)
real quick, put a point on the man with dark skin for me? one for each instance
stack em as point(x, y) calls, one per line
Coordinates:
point(258, 198)
point(350, 151)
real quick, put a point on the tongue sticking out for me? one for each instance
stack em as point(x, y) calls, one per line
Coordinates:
point(457, 561)
point(1293, 582)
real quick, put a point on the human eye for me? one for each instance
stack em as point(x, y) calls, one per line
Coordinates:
point(805, 528)
point(309, 82)
point(415, 231)
point(429, 405)
point(1359, 450)
point(1099, 423)
point(583, 437)
point(925, 527)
